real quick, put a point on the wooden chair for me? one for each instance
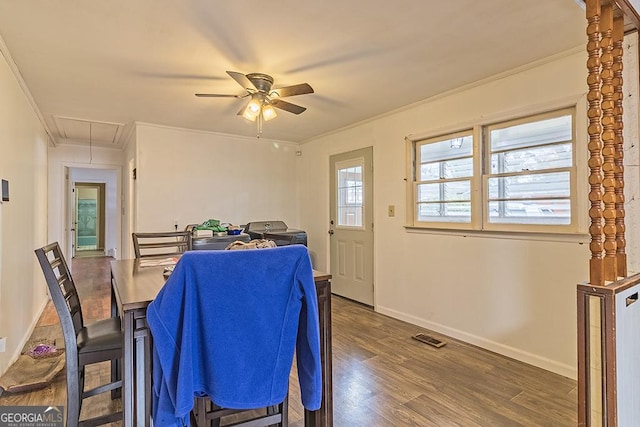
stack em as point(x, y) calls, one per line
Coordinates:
point(163, 244)
point(96, 342)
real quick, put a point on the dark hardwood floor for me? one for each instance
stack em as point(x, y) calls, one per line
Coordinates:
point(381, 377)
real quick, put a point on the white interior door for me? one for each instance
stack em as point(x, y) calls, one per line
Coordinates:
point(351, 226)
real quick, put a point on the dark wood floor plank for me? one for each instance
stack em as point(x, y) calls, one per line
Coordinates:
point(553, 409)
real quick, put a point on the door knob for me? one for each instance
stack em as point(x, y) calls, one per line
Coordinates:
point(331, 232)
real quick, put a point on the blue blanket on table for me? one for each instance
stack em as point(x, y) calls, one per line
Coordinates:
point(225, 325)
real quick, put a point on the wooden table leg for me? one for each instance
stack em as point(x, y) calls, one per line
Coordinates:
point(323, 417)
point(128, 371)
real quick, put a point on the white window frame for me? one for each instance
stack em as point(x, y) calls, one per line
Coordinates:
point(572, 227)
point(415, 182)
point(577, 106)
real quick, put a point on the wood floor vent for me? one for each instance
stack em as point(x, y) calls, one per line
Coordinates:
point(428, 339)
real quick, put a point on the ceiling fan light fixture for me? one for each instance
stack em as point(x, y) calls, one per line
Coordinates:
point(249, 115)
point(264, 101)
point(268, 112)
point(252, 111)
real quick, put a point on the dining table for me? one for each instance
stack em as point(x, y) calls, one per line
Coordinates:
point(135, 283)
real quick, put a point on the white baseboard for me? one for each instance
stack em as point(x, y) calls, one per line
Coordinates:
point(505, 350)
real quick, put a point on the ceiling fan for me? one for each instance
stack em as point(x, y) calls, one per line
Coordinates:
point(263, 97)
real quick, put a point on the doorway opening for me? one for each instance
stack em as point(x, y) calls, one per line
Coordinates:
point(89, 218)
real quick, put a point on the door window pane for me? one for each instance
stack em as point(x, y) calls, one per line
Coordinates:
point(350, 196)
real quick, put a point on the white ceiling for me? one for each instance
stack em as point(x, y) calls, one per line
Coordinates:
point(120, 61)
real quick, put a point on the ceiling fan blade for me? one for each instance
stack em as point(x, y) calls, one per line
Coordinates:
point(216, 95)
point(300, 89)
point(242, 80)
point(287, 106)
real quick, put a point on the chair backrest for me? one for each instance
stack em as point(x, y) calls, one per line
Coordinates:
point(169, 243)
point(63, 292)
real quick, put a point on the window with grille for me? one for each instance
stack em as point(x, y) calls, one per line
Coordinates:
point(531, 165)
point(513, 175)
point(443, 179)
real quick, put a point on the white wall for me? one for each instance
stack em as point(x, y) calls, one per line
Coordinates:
point(101, 165)
point(192, 176)
point(23, 219)
point(516, 295)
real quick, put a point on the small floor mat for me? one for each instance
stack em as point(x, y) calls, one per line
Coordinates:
point(32, 373)
point(29, 374)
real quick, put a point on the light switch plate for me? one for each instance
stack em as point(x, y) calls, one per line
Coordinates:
point(392, 210)
point(3, 344)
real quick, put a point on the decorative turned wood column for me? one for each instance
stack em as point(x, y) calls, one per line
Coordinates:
point(608, 144)
point(594, 114)
point(618, 97)
point(607, 325)
point(605, 50)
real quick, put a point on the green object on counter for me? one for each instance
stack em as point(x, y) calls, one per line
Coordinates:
point(211, 224)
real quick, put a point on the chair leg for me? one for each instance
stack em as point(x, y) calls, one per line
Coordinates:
point(199, 413)
point(215, 422)
point(116, 375)
point(74, 396)
point(284, 408)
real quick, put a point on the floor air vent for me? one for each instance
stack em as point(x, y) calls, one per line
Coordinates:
point(428, 339)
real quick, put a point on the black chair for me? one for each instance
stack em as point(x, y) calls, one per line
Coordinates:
point(162, 244)
point(97, 342)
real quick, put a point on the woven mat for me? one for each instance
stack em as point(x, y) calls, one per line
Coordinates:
point(29, 373)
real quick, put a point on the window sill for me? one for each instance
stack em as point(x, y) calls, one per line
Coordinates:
point(580, 238)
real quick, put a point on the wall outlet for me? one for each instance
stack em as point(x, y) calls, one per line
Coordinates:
point(392, 210)
point(3, 344)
